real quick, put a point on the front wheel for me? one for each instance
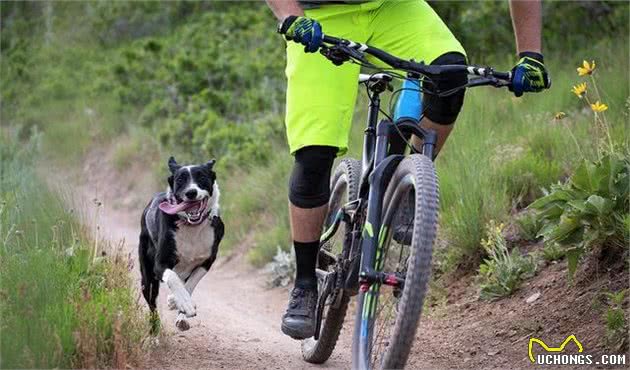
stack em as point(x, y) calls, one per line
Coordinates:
point(389, 315)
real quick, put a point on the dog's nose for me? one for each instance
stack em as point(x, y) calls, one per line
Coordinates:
point(191, 193)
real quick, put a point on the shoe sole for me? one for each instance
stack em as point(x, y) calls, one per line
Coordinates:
point(295, 334)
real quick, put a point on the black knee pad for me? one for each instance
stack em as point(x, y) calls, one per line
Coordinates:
point(309, 183)
point(444, 110)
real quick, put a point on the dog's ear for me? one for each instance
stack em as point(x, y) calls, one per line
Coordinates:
point(170, 182)
point(172, 165)
point(210, 164)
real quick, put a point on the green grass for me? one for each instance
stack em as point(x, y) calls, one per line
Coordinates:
point(138, 146)
point(255, 208)
point(60, 308)
point(526, 176)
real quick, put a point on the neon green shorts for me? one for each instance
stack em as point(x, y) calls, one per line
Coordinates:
point(321, 96)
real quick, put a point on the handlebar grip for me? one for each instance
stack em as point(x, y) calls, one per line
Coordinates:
point(331, 40)
point(502, 75)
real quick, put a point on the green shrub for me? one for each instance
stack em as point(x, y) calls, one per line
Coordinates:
point(219, 101)
point(553, 252)
point(502, 272)
point(528, 226)
point(589, 209)
point(204, 93)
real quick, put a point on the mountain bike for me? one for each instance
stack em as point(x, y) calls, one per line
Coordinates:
point(382, 217)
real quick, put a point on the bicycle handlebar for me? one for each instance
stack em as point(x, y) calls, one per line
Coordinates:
point(491, 77)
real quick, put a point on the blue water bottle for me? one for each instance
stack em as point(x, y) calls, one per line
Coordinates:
point(409, 104)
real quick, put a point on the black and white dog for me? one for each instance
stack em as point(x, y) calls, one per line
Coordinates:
point(179, 239)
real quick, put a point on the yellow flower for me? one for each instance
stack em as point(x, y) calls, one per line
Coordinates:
point(579, 90)
point(586, 68)
point(598, 107)
point(559, 116)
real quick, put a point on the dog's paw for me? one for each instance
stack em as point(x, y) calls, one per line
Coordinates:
point(185, 305)
point(170, 302)
point(181, 322)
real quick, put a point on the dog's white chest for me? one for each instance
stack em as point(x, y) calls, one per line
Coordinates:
point(194, 244)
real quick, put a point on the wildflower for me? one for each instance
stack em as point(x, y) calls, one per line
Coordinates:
point(586, 68)
point(598, 107)
point(579, 90)
point(559, 116)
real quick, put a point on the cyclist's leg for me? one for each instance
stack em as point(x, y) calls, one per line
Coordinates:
point(319, 107)
point(320, 103)
point(412, 29)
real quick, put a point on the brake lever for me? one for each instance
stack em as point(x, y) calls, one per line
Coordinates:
point(339, 54)
point(354, 54)
point(333, 55)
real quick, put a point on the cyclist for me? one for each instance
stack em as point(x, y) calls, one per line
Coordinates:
point(320, 101)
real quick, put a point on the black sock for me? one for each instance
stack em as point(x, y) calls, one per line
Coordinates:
point(305, 261)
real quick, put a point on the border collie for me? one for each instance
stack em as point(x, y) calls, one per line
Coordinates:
point(179, 239)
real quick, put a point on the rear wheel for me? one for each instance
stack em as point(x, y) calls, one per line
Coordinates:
point(344, 188)
point(410, 216)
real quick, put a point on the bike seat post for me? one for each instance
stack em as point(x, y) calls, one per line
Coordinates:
point(369, 141)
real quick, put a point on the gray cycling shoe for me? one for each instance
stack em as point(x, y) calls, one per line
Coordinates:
point(403, 231)
point(299, 320)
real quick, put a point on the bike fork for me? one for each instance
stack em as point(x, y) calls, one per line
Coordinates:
point(384, 168)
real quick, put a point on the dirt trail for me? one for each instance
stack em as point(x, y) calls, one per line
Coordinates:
point(238, 318)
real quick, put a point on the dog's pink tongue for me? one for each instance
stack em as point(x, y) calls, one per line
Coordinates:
point(173, 209)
